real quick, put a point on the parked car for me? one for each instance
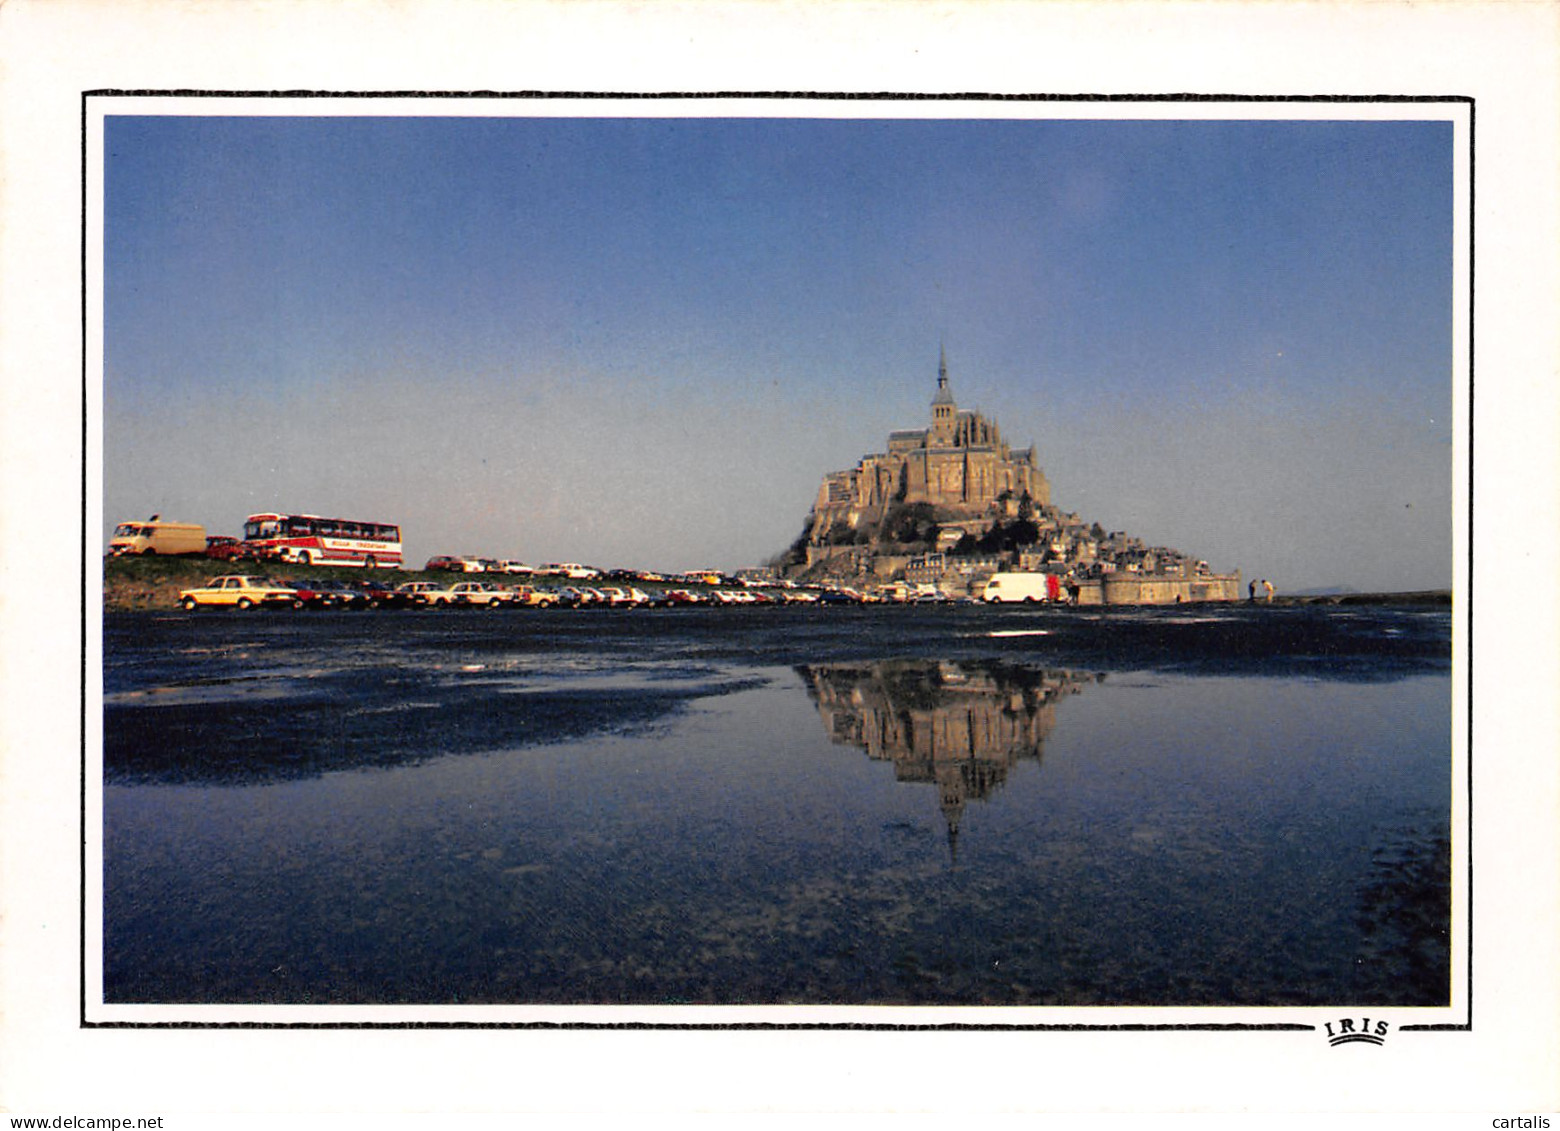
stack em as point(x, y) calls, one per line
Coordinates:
point(342, 594)
point(240, 591)
point(685, 597)
point(838, 597)
point(382, 596)
point(457, 564)
point(480, 593)
point(619, 598)
point(429, 594)
point(311, 593)
point(223, 547)
point(537, 598)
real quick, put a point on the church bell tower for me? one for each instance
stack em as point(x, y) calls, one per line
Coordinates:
point(944, 410)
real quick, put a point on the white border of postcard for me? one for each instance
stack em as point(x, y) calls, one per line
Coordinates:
point(1499, 53)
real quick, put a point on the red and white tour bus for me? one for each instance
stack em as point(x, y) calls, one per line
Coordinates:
point(310, 540)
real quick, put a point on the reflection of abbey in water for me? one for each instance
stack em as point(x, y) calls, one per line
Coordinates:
point(962, 726)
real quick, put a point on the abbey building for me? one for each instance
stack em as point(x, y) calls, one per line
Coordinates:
point(960, 465)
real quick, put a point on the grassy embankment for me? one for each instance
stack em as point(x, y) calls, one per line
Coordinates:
point(154, 582)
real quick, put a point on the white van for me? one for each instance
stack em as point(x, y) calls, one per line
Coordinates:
point(157, 537)
point(1008, 587)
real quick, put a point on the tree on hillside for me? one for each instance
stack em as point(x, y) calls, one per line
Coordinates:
point(1015, 535)
point(909, 524)
point(795, 554)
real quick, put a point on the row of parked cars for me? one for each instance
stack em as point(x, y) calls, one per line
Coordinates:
point(455, 564)
point(570, 571)
point(246, 591)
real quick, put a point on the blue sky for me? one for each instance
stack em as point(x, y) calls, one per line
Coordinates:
point(643, 341)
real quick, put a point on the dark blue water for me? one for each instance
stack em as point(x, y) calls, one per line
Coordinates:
point(859, 806)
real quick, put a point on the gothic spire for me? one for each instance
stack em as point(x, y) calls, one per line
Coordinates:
point(944, 394)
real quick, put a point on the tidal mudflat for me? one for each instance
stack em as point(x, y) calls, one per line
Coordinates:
point(946, 806)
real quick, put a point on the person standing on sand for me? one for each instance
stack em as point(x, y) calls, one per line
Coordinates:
point(1251, 589)
point(1267, 590)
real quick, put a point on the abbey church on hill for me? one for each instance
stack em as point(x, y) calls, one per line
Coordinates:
point(951, 505)
point(960, 465)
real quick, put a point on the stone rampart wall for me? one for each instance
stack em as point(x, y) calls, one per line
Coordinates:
point(1152, 589)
